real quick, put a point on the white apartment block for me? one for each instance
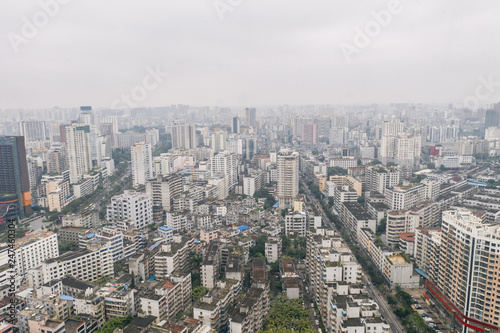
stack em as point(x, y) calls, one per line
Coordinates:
point(226, 163)
point(132, 206)
point(142, 163)
point(296, 224)
point(288, 177)
point(378, 178)
point(164, 189)
point(399, 222)
point(79, 151)
point(404, 197)
point(179, 221)
point(82, 265)
point(88, 218)
point(34, 249)
point(273, 249)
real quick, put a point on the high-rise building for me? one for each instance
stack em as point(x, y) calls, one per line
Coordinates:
point(288, 177)
point(34, 130)
point(227, 164)
point(164, 189)
point(251, 116)
point(142, 163)
point(218, 141)
point(399, 222)
point(492, 117)
point(15, 200)
point(56, 158)
point(235, 126)
point(183, 135)
point(310, 132)
point(397, 146)
point(86, 115)
point(379, 178)
point(78, 150)
point(465, 287)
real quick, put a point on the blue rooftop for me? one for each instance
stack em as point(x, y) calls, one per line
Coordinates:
point(90, 235)
point(152, 278)
point(66, 297)
point(243, 227)
point(142, 236)
point(421, 272)
point(165, 228)
point(154, 245)
point(276, 205)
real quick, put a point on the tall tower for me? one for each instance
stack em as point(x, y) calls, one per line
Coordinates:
point(250, 115)
point(15, 197)
point(288, 177)
point(78, 150)
point(34, 130)
point(142, 163)
point(227, 164)
point(183, 135)
point(235, 126)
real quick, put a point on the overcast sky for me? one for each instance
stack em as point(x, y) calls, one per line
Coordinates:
point(261, 52)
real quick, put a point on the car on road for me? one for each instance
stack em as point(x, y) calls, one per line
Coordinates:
point(312, 305)
point(317, 322)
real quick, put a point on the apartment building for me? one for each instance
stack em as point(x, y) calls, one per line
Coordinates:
point(468, 261)
point(350, 181)
point(404, 197)
point(83, 265)
point(135, 207)
point(58, 195)
point(179, 221)
point(249, 315)
point(401, 221)
point(142, 163)
point(211, 310)
point(174, 256)
point(167, 297)
point(32, 250)
point(296, 224)
point(288, 177)
point(164, 189)
point(88, 218)
point(273, 249)
point(379, 178)
point(210, 267)
point(395, 267)
point(355, 217)
point(426, 249)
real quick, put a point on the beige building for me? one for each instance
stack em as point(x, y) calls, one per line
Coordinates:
point(288, 177)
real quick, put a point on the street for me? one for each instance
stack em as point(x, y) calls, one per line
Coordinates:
point(384, 307)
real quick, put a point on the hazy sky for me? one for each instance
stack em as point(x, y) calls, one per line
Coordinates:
point(261, 52)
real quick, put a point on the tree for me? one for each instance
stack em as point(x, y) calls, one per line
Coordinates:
point(199, 291)
point(442, 167)
point(336, 171)
point(375, 162)
point(260, 246)
point(284, 212)
point(195, 260)
point(111, 325)
point(431, 165)
point(392, 164)
point(287, 315)
point(381, 226)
